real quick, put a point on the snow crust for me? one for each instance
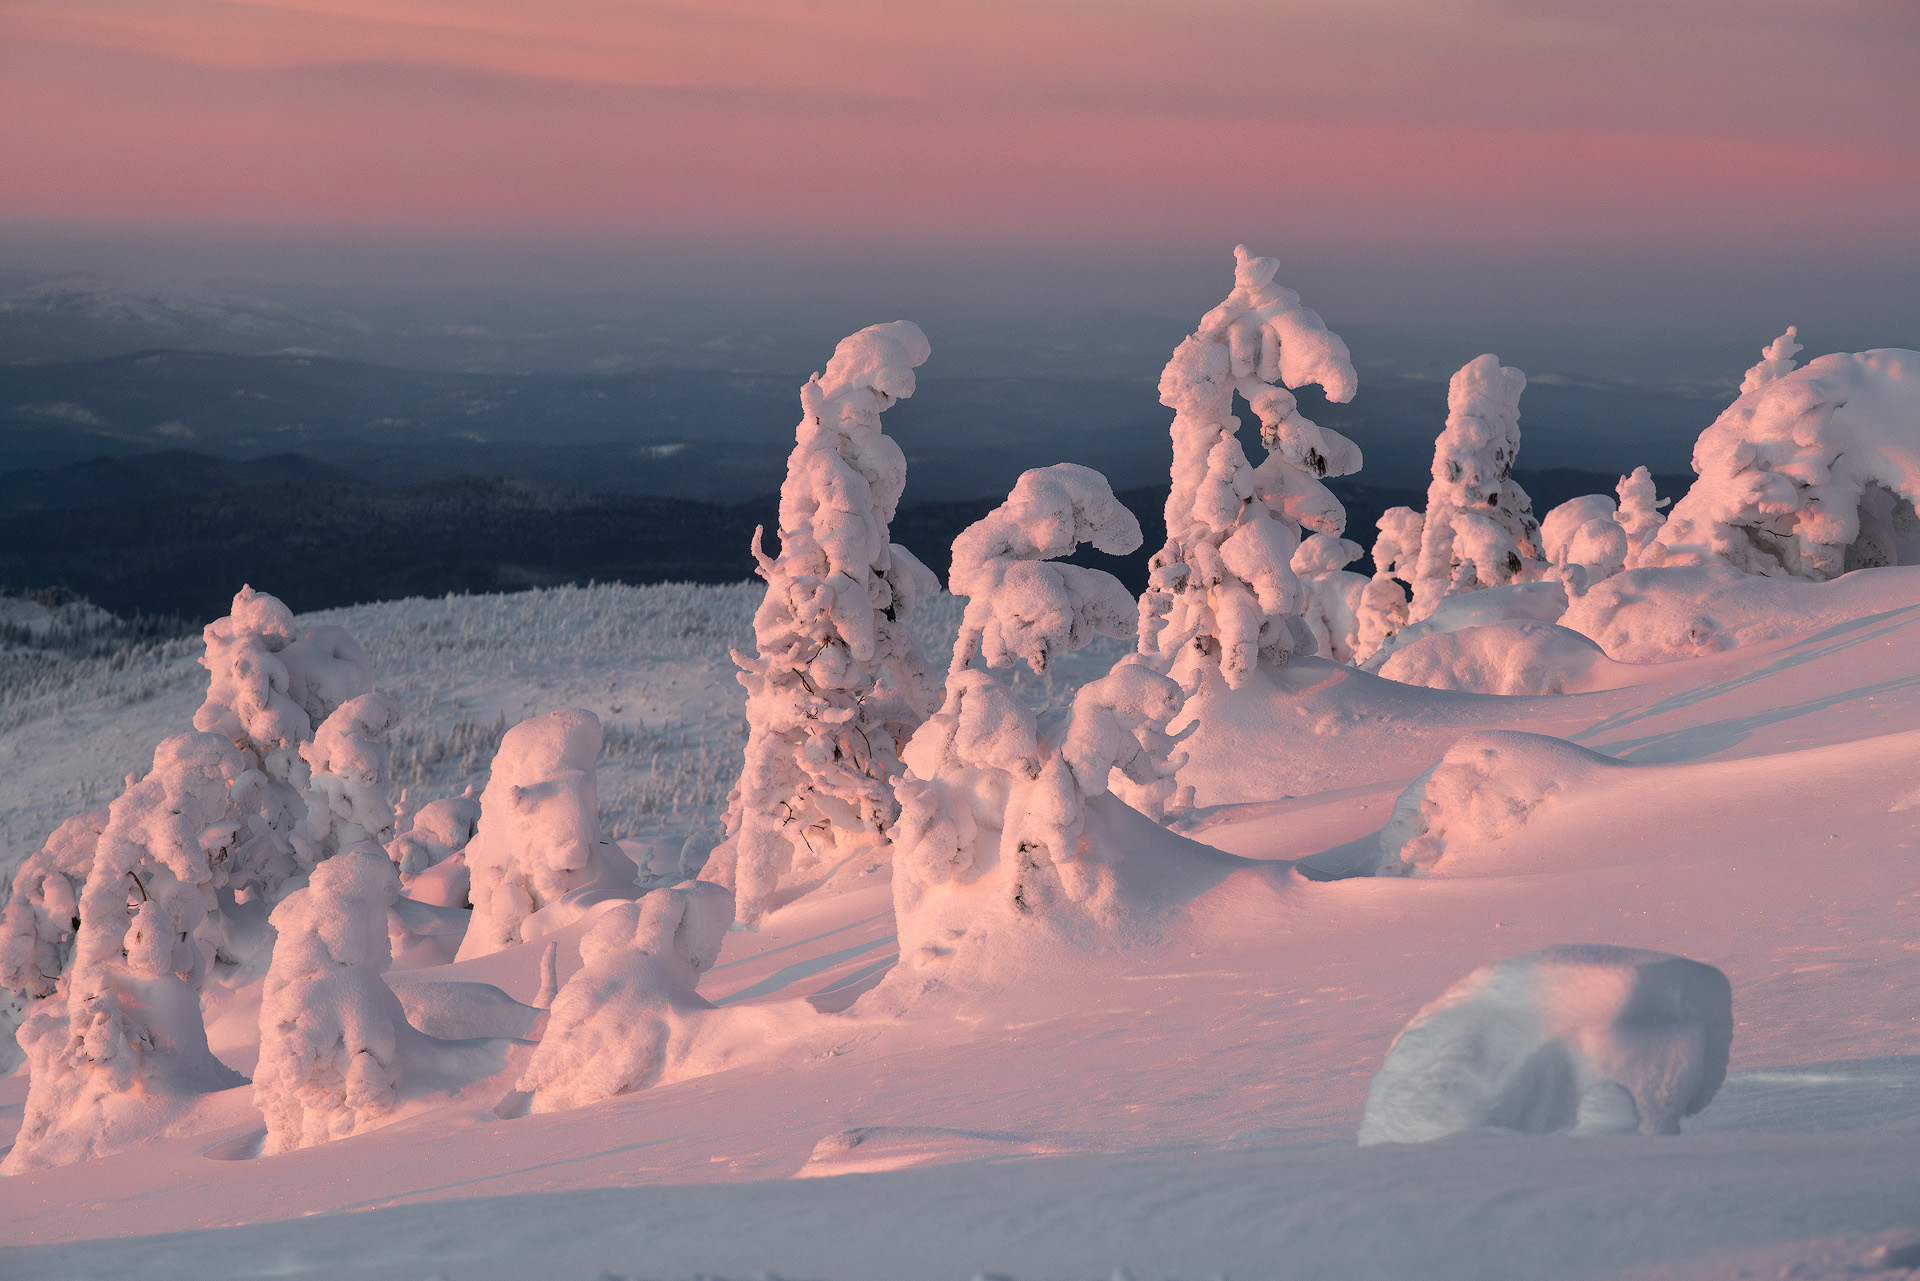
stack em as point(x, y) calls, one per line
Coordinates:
point(1584, 1038)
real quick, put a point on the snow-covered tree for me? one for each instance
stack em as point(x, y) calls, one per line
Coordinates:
point(1383, 602)
point(1776, 361)
point(269, 691)
point(126, 1051)
point(43, 912)
point(629, 1012)
point(336, 1050)
point(838, 683)
point(1583, 535)
point(1811, 473)
point(1478, 529)
point(1223, 587)
point(1331, 593)
point(1022, 605)
point(439, 831)
point(1639, 513)
point(539, 836)
point(350, 768)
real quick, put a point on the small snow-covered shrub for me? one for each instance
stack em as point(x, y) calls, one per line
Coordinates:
point(1332, 596)
point(1809, 474)
point(629, 1013)
point(440, 830)
point(1382, 610)
point(1584, 534)
point(838, 683)
point(1478, 529)
point(1222, 591)
point(1639, 513)
point(1582, 1038)
point(1487, 786)
point(539, 836)
point(43, 912)
point(349, 770)
point(1521, 657)
point(336, 1050)
point(125, 1052)
point(1542, 602)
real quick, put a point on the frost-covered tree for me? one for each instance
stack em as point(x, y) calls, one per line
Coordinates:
point(1022, 605)
point(539, 837)
point(838, 682)
point(1223, 587)
point(439, 831)
point(1639, 513)
point(1478, 529)
point(43, 912)
point(1383, 602)
point(1810, 473)
point(1331, 593)
point(350, 768)
point(630, 1011)
point(1583, 541)
point(1776, 361)
point(269, 691)
point(126, 1051)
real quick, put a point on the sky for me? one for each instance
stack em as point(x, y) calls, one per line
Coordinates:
point(1498, 147)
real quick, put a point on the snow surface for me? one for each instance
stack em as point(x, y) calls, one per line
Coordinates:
point(1178, 1099)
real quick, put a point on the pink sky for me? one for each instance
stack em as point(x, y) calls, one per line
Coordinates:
point(1412, 122)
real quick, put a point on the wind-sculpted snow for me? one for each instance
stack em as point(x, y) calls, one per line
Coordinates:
point(1222, 591)
point(1524, 656)
point(1587, 1039)
point(1809, 474)
point(838, 681)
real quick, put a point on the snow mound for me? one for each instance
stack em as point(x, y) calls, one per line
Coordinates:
point(873, 1149)
point(1541, 602)
point(1524, 657)
point(1585, 1038)
point(630, 1012)
point(1487, 786)
point(1653, 615)
point(1809, 474)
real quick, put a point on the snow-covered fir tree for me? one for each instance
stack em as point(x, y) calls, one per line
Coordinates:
point(1331, 594)
point(1223, 587)
point(1639, 513)
point(838, 683)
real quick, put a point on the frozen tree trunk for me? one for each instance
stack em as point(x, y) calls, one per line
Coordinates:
point(539, 836)
point(1478, 529)
point(125, 1053)
point(1222, 593)
point(838, 683)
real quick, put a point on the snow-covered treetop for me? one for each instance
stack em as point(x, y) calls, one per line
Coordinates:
point(1810, 474)
point(1020, 606)
point(1776, 361)
point(269, 688)
point(340, 919)
point(351, 767)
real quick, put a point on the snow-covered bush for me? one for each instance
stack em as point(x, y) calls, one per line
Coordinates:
point(1543, 601)
point(1222, 591)
point(1478, 529)
point(269, 691)
point(1331, 594)
point(539, 836)
point(125, 1052)
point(628, 1014)
point(1022, 606)
point(43, 912)
point(1524, 656)
point(1487, 786)
point(349, 771)
point(1582, 1038)
point(440, 830)
point(1639, 513)
point(336, 1050)
point(1584, 532)
point(838, 683)
point(1811, 473)
point(1382, 611)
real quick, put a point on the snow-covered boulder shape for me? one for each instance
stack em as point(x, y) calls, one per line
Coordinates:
point(439, 831)
point(630, 1012)
point(1487, 786)
point(350, 768)
point(125, 1054)
point(1222, 592)
point(1331, 595)
point(43, 912)
point(1544, 602)
point(1639, 513)
point(1579, 1038)
point(1521, 657)
point(1809, 474)
point(1383, 602)
point(539, 836)
point(1022, 606)
point(269, 691)
point(1478, 529)
point(336, 1051)
point(838, 683)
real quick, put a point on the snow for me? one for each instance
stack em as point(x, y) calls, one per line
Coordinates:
point(1587, 1039)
